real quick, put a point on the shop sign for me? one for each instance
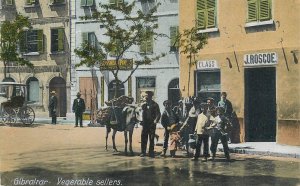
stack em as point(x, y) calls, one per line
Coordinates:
point(207, 64)
point(260, 59)
point(124, 64)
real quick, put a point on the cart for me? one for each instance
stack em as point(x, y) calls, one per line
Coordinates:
point(13, 104)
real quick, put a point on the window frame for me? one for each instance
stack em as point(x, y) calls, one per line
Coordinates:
point(206, 9)
point(147, 47)
point(116, 2)
point(173, 36)
point(256, 17)
point(26, 42)
point(60, 40)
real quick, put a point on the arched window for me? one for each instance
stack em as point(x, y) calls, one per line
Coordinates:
point(33, 91)
point(8, 79)
point(112, 87)
point(174, 92)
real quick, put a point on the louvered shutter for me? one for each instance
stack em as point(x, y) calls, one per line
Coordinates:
point(201, 11)
point(89, 2)
point(23, 43)
point(84, 36)
point(92, 39)
point(173, 38)
point(252, 10)
point(149, 47)
point(40, 42)
point(211, 6)
point(265, 10)
point(61, 39)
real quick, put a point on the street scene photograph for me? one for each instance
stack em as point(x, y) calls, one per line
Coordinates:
point(149, 92)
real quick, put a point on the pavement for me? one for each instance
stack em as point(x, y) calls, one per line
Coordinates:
point(251, 148)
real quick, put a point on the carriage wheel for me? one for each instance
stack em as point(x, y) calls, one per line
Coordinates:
point(27, 115)
point(9, 116)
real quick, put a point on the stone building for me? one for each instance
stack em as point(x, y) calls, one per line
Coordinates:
point(162, 76)
point(47, 46)
point(252, 54)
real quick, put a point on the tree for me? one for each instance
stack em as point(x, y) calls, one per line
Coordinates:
point(191, 42)
point(9, 42)
point(134, 28)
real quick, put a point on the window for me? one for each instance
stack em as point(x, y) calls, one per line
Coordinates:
point(259, 10)
point(9, 2)
point(53, 2)
point(208, 85)
point(174, 43)
point(31, 2)
point(112, 87)
point(144, 84)
point(90, 38)
point(206, 14)
point(33, 89)
point(146, 46)
point(116, 2)
point(57, 40)
point(32, 41)
point(87, 3)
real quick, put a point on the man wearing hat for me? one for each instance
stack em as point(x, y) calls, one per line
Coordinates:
point(52, 106)
point(151, 115)
point(78, 109)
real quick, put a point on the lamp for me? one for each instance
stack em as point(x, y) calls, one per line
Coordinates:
point(229, 62)
point(295, 53)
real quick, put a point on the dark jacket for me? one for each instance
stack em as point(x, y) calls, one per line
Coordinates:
point(151, 112)
point(78, 106)
point(52, 105)
point(168, 118)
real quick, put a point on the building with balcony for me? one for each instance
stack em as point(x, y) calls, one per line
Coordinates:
point(47, 46)
point(252, 54)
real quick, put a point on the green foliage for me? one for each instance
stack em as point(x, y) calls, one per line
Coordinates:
point(10, 37)
point(125, 28)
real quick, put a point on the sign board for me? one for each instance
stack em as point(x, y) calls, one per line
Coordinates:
point(207, 64)
point(261, 59)
point(124, 64)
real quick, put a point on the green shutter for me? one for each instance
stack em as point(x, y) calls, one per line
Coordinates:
point(9, 2)
point(211, 6)
point(89, 2)
point(264, 10)
point(252, 10)
point(23, 45)
point(201, 11)
point(61, 39)
point(83, 3)
point(84, 36)
point(173, 36)
point(149, 44)
point(40, 38)
point(143, 47)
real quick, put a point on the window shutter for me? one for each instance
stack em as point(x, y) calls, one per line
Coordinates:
point(40, 40)
point(61, 38)
point(173, 38)
point(201, 13)
point(89, 2)
point(252, 10)
point(143, 47)
point(83, 3)
point(23, 45)
point(211, 6)
point(264, 10)
point(149, 46)
point(9, 2)
point(92, 39)
point(84, 36)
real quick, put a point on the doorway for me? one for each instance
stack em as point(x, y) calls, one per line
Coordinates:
point(174, 92)
point(58, 85)
point(260, 104)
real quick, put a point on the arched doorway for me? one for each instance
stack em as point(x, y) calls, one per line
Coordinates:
point(112, 87)
point(58, 85)
point(174, 91)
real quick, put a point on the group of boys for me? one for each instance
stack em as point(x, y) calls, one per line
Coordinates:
point(203, 120)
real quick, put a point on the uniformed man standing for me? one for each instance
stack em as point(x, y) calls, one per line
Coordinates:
point(151, 115)
point(53, 106)
point(78, 109)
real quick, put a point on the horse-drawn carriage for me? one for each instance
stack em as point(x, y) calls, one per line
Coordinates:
point(13, 104)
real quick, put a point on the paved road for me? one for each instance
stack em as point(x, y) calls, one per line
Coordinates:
point(63, 155)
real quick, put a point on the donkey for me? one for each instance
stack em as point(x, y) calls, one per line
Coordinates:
point(125, 118)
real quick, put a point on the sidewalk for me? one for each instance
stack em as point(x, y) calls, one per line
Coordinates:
point(264, 149)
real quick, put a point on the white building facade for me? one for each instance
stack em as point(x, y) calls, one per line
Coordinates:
point(161, 76)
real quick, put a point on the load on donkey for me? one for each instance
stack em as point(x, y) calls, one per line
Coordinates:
point(120, 115)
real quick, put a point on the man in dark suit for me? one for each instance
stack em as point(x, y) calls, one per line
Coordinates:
point(78, 109)
point(151, 116)
point(52, 106)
